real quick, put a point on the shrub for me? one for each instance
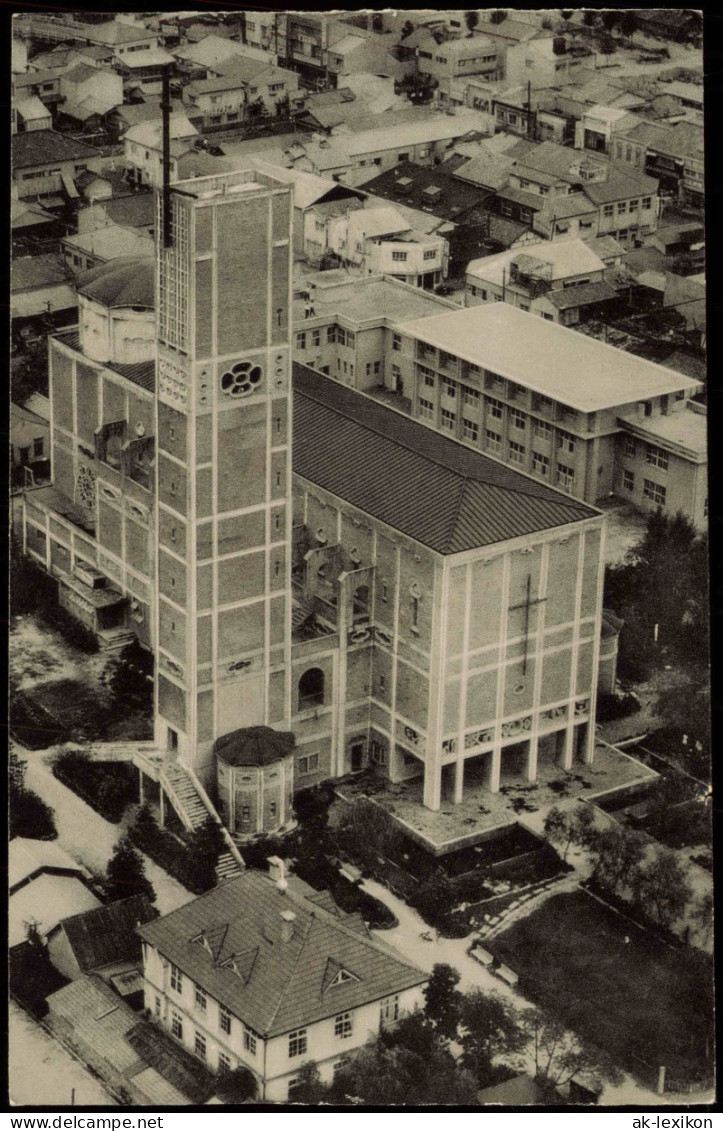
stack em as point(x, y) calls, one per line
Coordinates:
point(185, 857)
point(29, 815)
point(619, 705)
point(108, 787)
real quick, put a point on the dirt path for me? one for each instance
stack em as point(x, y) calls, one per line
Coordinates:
point(42, 1073)
point(87, 836)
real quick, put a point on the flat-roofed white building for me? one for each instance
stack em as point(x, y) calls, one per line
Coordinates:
point(532, 393)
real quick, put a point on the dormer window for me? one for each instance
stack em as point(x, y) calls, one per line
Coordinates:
point(342, 977)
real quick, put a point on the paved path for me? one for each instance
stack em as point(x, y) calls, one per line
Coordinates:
point(406, 939)
point(42, 1073)
point(87, 836)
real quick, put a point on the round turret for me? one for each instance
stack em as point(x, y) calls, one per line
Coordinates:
point(116, 308)
point(255, 773)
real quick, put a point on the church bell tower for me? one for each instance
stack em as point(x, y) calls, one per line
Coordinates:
point(223, 464)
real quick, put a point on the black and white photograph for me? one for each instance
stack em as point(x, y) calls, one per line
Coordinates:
point(359, 681)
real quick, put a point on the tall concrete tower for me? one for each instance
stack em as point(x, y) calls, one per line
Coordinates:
point(223, 467)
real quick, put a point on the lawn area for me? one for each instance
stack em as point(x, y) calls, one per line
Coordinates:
point(636, 999)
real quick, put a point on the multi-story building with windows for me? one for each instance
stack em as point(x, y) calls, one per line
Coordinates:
point(535, 394)
point(269, 975)
point(363, 591)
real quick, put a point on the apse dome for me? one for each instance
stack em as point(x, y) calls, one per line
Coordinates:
point(255, 778)
point(116, 307)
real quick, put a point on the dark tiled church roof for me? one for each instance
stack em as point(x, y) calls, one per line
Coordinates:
point(435, 490)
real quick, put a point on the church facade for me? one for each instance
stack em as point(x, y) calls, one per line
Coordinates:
point(297, 555)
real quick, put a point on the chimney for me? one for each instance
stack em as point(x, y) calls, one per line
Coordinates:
point(166, 129)
point(287, 925)
point(277, 871)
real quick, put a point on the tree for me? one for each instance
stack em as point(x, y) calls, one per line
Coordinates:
point(559, 1056)
point(610, 19)
point(32, 975)
point(566, 14)
point(628, 23)
point(407, 30)
point(498, 16)
point(701, 916)
point(207, 845)
point(589, 17)
point(490, 1028)
point(619, 852)
point(443, 1000)
point(256, 110)
point(29, 815)
point(570, 826)
point(660, 887)
point(661, 592)
point(384, 1073)
point(684, 706)
point(308, 1088)
point(237, 1086)
point(130, 675)
point(471, 18)
point(126, 874)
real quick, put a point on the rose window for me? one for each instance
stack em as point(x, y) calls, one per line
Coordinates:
point(241, 379)
point(85, 487)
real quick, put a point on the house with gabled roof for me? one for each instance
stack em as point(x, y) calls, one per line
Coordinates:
point(267, 973)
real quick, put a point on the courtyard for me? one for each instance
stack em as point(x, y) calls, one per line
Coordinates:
point(482, 815)
point(644, 1002)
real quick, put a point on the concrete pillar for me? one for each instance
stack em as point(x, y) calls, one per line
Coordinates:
point(589, 747)
point(433, 786)
point(141, 792)
point(566, 759)
point(495, 769)
point(163, 806)
point(532, 758)
point(458, 780)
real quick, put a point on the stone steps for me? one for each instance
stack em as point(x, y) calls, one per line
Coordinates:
point(227, 867)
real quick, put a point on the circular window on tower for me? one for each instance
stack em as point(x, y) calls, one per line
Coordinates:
point(241, 379)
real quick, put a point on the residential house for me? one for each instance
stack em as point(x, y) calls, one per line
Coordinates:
point(106, 1034)
point(625, 205)
point(267, 975)
point(122, 118)
point(46, 886)
point(33, 229)
point(454, 59)
point(354, 157)
point(44, 85)
point(212, 54)
point(314, 199)
point(662, 463)
point(507, 33)
point(30, 441)
point(32, 114)
point(688, 94)
point(63, 57)
point(105, 942)
point(41, 284)
point(672, 154)
point(143, 72)
point(89, 93)
point(45, 163)
point(557, 279)
point(464, 208)
point(225, 99)
point(136, 211)
point(514, 386)
point(545, 60)
point(89, 249)
point(380, 241)
point(143, 149)
point(598, 126)
point(361, 54)
point(123, 39)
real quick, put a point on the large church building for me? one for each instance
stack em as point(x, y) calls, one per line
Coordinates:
point(300, 558)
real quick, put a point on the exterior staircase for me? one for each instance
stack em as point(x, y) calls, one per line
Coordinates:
point(111, 641)
point(227, 867)
point(194, 807)
point(184, 796)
